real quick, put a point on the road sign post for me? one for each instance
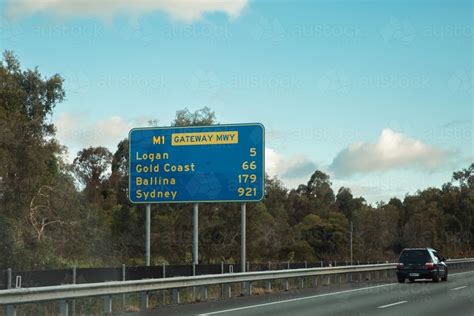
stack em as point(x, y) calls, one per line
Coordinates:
point(148, 232)
point(243, 228)
point(195, 233)
point(351, 230)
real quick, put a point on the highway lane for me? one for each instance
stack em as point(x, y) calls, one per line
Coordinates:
point(452, 298)
point(455, 297)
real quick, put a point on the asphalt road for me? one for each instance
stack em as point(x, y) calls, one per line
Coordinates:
point(455, 297)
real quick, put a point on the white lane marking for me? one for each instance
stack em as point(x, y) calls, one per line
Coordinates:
point(393, 304)
point(296, 299)
point(461, 273)
point(459, 288)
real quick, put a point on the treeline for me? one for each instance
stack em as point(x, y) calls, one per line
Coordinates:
point(48, 220)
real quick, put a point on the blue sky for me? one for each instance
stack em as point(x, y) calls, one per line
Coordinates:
point(377, 94)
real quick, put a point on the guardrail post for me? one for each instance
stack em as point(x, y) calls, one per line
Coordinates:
point(163, 292)
point(9, 278)
point(316, 282)
point(287, 285)
point(205, 292)
point(222, 272)
point(301, 283)
point(269, 286)
point(74, 280)
point(63, 308)
point(124, 277)
point(227, 292)
point(247, 286)
point(306, 264)
point(176, 297)
point(322, 264)
point(108, 304)
point(144, 301)
point(11, 310)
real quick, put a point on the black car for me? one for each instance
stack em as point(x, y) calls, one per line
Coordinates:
point(421, 263)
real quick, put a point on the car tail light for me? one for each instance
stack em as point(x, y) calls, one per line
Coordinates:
point(400, 266)
point(430, 266)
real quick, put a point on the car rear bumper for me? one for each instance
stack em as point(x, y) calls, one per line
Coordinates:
point(417, 274)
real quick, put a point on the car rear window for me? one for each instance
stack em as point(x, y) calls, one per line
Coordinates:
point(415, 256)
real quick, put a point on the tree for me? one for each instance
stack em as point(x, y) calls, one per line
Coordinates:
point(200, 117)
point(465, 177)
point(319, 187)
point(30, 156)
point(92, 166)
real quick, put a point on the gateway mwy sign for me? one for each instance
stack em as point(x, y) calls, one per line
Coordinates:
point(219, 163)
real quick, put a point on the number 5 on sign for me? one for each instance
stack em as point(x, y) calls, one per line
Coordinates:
point(253, 152)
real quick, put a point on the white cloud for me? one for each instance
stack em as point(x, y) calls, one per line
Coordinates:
point(76, 131)
point(295, 167)
point(183, 10)
point(392, 150)
point(273, 162)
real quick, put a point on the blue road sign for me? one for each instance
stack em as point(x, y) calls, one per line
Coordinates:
point(219, 163)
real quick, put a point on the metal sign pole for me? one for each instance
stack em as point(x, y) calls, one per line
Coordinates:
point(195, 233)
point(148, 225)
point(243, 256)
point(352, 228)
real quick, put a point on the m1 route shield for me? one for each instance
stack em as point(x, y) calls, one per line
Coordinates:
point(219, 163)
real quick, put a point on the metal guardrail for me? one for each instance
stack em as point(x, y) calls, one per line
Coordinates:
point(14, 297)
point(76, 275)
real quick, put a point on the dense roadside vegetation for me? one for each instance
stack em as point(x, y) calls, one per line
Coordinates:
point(48, 221)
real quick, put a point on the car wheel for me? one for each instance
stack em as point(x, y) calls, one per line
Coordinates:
point(401, 280)
point(436, 277)
point(445, 277)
